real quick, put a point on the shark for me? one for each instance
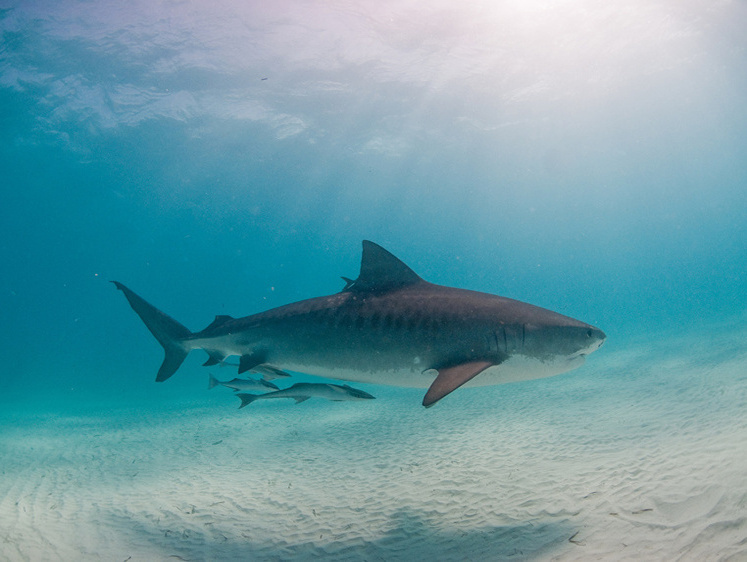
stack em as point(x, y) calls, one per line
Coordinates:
point(388, 326)
point(302, 391)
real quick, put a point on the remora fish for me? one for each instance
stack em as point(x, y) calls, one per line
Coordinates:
point(242, 384)
point(304, 390)
point(390, 327)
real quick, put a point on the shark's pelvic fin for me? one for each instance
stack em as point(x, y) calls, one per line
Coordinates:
point(451, 378)
point(169, 333)
point(381, 272)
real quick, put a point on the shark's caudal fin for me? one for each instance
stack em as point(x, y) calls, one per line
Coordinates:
point(169, 333)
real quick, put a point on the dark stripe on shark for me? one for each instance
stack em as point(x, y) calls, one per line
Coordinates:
point(376, 319)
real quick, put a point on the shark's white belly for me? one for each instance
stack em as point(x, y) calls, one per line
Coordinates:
point(516, 368)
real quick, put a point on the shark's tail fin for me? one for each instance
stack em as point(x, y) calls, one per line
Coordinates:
point(213, 382)
point(246, 399)
point(169, 333)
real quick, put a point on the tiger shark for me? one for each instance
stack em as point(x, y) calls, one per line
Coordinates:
point(388, 327)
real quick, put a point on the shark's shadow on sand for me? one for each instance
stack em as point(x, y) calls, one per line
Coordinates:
point(411, 536)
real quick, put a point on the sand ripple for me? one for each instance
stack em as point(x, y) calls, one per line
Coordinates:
point(641, 457)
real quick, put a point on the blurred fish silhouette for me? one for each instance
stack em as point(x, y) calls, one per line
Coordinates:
point(242, 384)
point(302, 391)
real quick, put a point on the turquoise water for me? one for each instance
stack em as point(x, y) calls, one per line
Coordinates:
point(229, 158)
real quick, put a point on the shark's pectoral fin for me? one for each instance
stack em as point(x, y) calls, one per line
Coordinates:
point(451, 378)
point(300, 399)
point(250, 361)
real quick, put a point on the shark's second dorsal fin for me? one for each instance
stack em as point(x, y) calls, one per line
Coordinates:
point(219, 321)
point(381, 271)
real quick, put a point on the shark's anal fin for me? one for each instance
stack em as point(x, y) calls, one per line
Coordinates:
point(216, 358)
point(451, 378)
point(251, 360)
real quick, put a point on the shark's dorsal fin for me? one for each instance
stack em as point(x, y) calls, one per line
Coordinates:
point(219, 321)
point(381, 271)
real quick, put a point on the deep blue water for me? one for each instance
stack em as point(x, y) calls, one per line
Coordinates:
point(227, 159)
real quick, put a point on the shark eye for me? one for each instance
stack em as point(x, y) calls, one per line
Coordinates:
point(588, 333)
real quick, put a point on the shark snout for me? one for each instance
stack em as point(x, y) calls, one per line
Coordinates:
point(596, 338)
point(600, 335)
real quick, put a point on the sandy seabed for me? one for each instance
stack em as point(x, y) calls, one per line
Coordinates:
point(639, 455)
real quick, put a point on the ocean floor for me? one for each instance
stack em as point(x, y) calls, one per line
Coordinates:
point(639, 455)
